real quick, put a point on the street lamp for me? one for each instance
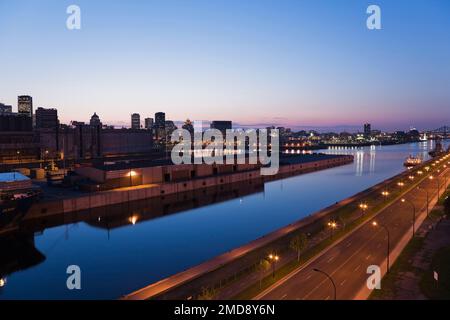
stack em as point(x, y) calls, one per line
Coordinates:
point(273, 259)
point(363, 207)
point(438, 185)
point(385, 194)
point(401, 184)
point(332, 225)
point(404, 200)
point(329, 277)
point(376, 224)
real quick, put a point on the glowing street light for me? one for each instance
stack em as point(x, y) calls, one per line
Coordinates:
point(333, 226)
point(401, 184)
point(2, 282)
point(363, 206)
point(376, 224)
point(273, 259)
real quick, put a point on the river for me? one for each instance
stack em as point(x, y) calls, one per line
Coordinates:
point(120, 260)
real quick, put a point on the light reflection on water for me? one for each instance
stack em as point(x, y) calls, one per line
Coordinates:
point(120, 260)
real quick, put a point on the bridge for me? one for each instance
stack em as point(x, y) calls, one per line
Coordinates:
point(442, 132)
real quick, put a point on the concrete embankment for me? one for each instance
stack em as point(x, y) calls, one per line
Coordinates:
point(190, 282)
point(124, 195)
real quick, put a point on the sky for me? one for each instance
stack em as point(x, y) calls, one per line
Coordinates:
point(299, 63)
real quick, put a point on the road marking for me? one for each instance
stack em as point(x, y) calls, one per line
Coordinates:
point(357, 268)
point(343, 282)
point(349, 244)
point(368, 257)
point(327, 298)
point(331, 259)
point(308, 277)
point(284, 296)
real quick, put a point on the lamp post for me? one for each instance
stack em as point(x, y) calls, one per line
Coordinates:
point(332, 225)
point(363, 207)
point(375, 224)
point(273, 259)
point(438, 185)
point(329, 277)
point(404, 200)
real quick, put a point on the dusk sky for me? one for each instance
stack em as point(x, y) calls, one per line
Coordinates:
point(256, 62)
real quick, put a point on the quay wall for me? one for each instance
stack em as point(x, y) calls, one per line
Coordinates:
point(112, 197)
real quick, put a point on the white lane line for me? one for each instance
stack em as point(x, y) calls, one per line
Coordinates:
point(308, 277)
point(284, 296)
point(357, 268)
point(368, 257)
point(349, 244)
point(343, 282)
point(331, 259)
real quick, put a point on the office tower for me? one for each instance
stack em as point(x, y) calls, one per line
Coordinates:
point(47, 118)
point(367, 129)
point(160, 120)
point(148, 123)
point(135, 121)
point(25, 105)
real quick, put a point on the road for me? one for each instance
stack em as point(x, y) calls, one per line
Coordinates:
point(347, 261)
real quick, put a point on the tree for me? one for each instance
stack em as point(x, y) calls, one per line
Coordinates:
point(299, 243)
point(263, 265)
point(343, 221)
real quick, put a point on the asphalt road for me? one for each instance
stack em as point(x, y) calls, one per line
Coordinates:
point(347, 261)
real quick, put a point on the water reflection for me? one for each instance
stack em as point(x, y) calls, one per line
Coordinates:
point(123, 248)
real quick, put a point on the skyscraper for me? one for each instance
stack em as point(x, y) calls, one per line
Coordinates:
point(25, 105)
point(367, 129)
point(47, 118)
point(148, 123)
point(135, 121)
point(160, 120)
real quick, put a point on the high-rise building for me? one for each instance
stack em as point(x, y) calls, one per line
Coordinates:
point(367, 129)
point(160, 120)
point(148, 123)
point(95, 120)
point(5, 108)
point(222, 126)
point(25, 105)
point(135, 121)
point(47, 118)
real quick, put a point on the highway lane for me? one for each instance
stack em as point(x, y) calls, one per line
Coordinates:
point(347, 261)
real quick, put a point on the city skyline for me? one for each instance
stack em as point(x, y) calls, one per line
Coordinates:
point(298, 65)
